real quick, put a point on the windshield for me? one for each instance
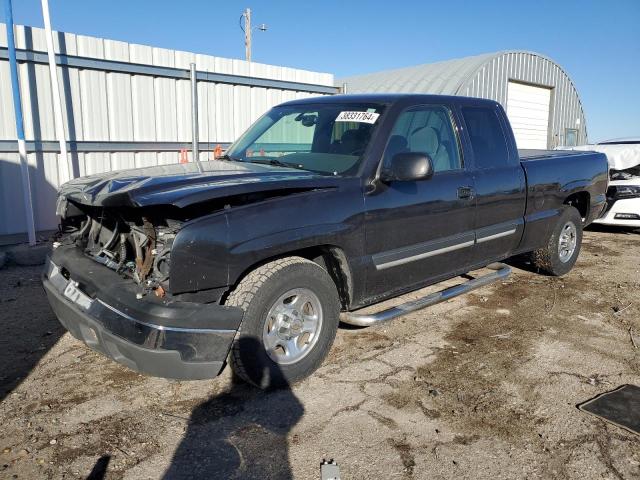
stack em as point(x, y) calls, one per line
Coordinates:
point(323, 138)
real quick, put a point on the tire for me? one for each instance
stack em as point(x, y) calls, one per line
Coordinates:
point(273, 298)
point(553, 259)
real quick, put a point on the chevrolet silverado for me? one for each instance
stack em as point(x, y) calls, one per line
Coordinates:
point(324, 206)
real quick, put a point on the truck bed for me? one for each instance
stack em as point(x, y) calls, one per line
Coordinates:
point(555, 178)
point(530, 154)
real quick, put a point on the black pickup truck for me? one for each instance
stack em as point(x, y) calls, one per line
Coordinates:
point(324, 206)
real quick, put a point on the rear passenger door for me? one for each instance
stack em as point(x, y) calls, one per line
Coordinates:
point(499, 183)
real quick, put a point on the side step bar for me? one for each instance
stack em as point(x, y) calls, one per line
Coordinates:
point(364, 320)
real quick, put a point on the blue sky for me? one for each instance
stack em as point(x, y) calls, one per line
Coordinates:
point(596, 42)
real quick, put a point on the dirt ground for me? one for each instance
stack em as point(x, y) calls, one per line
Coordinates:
point(483, 386)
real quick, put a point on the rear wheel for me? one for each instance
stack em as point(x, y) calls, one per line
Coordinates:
point(561, 252)
point(291, 316)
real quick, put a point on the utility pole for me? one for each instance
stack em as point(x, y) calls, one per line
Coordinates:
point(248, 30)
point(247, 34)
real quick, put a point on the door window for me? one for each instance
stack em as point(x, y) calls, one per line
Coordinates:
point(572, 137)
point(487, 139)
point(426, 129)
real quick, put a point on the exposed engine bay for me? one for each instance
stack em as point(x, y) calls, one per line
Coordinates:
point(136, 246)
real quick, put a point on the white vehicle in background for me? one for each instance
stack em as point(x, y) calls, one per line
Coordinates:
point(623, 195)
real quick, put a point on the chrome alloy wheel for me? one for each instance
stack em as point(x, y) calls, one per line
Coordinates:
point(567, 242)
point(292, 327)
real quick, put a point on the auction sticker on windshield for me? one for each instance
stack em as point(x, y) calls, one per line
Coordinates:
point(362, 117)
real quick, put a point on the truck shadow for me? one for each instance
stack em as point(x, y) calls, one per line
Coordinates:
point(240, 434)
point(28, 327)
point(26, 333)
point(523, 262)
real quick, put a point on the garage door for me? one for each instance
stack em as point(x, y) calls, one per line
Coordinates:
point(528, 112)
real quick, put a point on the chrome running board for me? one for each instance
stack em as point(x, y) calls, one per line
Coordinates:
point(364, 320)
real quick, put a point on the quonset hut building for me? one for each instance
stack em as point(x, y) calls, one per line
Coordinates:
point(540, 99)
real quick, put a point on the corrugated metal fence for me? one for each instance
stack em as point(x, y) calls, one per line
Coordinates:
point(124, 106)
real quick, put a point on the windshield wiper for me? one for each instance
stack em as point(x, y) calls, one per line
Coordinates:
point(277, 163)
point(226, 156)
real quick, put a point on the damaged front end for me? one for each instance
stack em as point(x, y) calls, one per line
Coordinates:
point(142, 260)
point(623, 198)
point(133, 243)
point(107, 281)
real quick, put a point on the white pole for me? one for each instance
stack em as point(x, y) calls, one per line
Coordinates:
point(64, 166)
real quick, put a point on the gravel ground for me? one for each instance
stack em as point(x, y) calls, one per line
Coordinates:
point(483, 386)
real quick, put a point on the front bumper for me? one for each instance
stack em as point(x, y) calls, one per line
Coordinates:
point(624, 212)
point(174, 340)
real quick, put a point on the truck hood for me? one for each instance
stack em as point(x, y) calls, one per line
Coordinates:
point(182, 185)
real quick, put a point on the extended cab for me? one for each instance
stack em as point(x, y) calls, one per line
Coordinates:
point(324, 206)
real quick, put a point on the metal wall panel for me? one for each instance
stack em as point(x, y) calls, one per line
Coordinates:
point(165, 106)
point(12, 212)
point(7, 115)
point(142, 97)
point(93, 101)
point(225, 113)
point(69, 82)
point(37, 109)
point(111, 105)
point(205, 89)
point(183, 95)
point(119, 90)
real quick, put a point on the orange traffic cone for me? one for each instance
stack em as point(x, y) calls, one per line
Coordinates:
point(183, 156)
point(217, 152)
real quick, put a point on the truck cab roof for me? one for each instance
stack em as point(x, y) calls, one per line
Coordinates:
point(391, 98)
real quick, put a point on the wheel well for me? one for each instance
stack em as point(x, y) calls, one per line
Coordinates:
point(334, 261)
point(580, 201)
point(329, 257)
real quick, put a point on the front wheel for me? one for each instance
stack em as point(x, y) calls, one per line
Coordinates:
point(561, 252)
point(291, 316)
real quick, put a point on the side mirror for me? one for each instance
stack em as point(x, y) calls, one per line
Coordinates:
point(408, 166)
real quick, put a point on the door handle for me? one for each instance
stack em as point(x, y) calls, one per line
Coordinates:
point(465, 193)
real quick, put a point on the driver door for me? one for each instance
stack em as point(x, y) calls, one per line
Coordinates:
point(420, 231)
